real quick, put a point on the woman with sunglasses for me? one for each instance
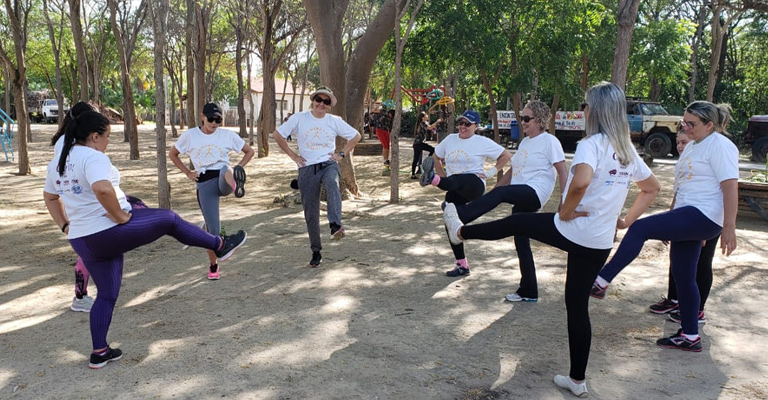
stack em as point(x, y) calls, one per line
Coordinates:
point(704, 206)
point(316, 131)
point(83, 196)
point(669, 304)
point(463, 177)
point(420, 135)
point(604, 165)
point(208, 147)
point(527, 185)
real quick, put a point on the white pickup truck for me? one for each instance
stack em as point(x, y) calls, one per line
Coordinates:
point(50, 110)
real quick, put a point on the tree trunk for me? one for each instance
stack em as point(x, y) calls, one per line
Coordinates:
point(8, 88)
point(627, 15)
point(241, 119)
point(326, 18)
point(697, 39)
point(201, 23)
point(159, 10)
point(82, 59)
point(192, 110)
point(717, 33)
point(129, 111)
point(56, 49)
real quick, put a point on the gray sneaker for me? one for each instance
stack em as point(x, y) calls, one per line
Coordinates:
point(82, 305)
point(578, 389)
point(428, 165)
point(452, 223)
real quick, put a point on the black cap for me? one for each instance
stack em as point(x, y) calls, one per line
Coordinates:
point(212, 110)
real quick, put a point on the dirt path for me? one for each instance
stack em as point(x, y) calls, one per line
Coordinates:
point(378, 320)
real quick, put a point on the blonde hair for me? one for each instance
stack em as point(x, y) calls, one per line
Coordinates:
point(541, 112)
point(607, 114)
point(718, 114)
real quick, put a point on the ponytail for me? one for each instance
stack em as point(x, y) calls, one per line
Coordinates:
point(77, 132)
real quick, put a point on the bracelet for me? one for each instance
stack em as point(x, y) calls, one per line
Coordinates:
point(490, 172)
point(64, 227)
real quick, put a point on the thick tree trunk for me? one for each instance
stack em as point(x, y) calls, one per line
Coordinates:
point(8, 88)
point(627, 15)
point(201, 23)
point(82, 59)
point(129, 110)
point(159, 23)
point(56, 49)
point(717, 33)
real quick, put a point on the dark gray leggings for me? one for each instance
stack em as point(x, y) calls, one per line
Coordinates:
point(208, 194)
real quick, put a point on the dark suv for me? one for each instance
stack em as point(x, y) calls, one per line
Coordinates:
point(757, 136)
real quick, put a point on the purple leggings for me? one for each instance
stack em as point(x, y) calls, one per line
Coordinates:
point(103, 253)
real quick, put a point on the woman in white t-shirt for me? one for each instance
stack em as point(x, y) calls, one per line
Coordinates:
point(527, 185)
point(83, 197)
point(463, 178)
point(704, 206)
point(604, 165)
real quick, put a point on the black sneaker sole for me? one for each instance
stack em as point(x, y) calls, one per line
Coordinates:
point(239, 175)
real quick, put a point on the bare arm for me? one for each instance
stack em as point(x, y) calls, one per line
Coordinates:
point(582, 176)
point(351, 143)
point(649, 188)
point(562, 179)
point(106, 195)
point(505, 179)
point(249, 153)
point(439, 166)
point(174, 156)
point(730, 188)
point(55, 208)
point(283, 144)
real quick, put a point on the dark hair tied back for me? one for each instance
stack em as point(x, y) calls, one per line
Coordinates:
point(77, 132)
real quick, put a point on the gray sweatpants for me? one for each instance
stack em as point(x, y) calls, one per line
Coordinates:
point(208, 194)
point(310, 179)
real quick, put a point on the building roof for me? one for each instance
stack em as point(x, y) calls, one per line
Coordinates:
point(257, 85)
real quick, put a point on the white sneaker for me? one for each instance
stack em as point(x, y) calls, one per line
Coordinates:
point(578, 389)
point(82, 305)
point(516, 297)
point(452, 223)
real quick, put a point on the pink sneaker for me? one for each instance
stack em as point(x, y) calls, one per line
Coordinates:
point(213, 272)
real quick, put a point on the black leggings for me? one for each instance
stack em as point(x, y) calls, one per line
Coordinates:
point(582, 268)
point(418, 150)
point(461, 188)
point(703, 273)
point(523, 199)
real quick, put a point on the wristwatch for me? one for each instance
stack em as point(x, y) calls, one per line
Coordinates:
point(341, 153)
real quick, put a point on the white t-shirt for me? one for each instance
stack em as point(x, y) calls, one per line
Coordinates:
point(467, 156)
point(84, 167)
point(209, 151)
point(605, 195)
point(533, 164)
point(700, 170)
point(316, 136)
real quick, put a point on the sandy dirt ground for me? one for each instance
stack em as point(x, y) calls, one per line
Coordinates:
point(377, 320)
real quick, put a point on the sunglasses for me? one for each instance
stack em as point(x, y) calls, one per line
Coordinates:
point(214, 119)
point(688, 124)
point(465, 123)
point(526, 118)
point(319, 99)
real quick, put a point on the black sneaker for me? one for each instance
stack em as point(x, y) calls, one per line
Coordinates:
point(386, 162)
point(231, 243)
point(458, 271)
point(239, 174)
point(337, 232)
point(429, 171)
point(598, 291)
point(99, 361)
point(675, 316)
point(678, 341)
point(664, 306)
point(317, 258)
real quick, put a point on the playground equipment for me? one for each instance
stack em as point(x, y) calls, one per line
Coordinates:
point(6, 134)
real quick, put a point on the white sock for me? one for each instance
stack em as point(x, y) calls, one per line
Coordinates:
point(690, 337)
point(602, 282)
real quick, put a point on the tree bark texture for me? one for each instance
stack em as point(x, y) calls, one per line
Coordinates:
point(159, 24)
point(82, 59)
point(627, 15)
point(129, 111)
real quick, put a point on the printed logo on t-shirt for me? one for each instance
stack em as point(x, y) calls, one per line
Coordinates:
point(457, 159)
point(208, 154)
point(317, 139)
point(77, 189)
point(518, 162)
point(684, 172)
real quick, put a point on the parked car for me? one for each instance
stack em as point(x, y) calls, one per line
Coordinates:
point(50, 110)
point(757, 136)
point(652, 127)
